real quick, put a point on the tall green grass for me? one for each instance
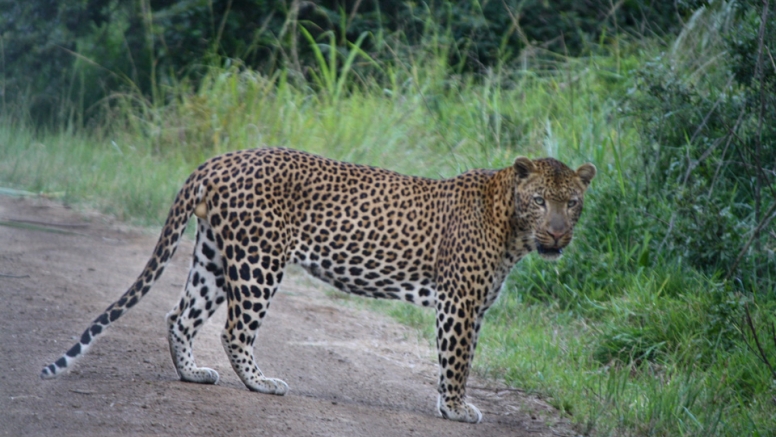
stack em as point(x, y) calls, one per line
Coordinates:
point(622, 340)
point(121, 178)
point(420, 121)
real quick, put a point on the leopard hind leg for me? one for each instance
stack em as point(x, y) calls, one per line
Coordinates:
point(249, 291)
point(203, 294)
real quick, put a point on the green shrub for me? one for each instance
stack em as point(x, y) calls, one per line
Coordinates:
point(709, 151)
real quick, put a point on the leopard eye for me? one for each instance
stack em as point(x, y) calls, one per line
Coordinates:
point(572, 203)
point(539, 200)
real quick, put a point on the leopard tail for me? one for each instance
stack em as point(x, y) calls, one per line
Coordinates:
point(189, 196)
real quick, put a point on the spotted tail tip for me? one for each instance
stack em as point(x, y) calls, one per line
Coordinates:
point(48, 372)
point(54, 369)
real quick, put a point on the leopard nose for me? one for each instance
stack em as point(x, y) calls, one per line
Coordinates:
point(556, 234)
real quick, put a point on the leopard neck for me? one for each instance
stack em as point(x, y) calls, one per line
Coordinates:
point(502, 216)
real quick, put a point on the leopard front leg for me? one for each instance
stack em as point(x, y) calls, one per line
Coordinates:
point(203, 294)
point(456, 338)
point(249, 289)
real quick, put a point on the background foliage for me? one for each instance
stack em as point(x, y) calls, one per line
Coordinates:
point(60, 54)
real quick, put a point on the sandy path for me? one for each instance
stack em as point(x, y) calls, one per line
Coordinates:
point(351, 372)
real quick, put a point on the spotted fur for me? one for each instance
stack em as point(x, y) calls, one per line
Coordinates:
point(447, 244)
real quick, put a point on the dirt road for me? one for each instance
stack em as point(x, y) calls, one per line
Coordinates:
point(351, 372)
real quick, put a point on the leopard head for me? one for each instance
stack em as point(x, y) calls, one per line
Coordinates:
point(549, 198)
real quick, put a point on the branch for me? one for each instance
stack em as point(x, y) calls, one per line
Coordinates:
point(43, 223)
point(758, 138)
point(770, 215)
point(763, 356)
point(731, 133)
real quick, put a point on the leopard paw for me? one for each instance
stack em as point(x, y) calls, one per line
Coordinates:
point(270, 386)
point(201, 375)
point(463, 412)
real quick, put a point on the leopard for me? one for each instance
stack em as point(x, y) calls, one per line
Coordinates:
point(447, 244)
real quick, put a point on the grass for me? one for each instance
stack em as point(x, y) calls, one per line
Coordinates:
point(422, 123)
point(621, 339)
point(131, 184)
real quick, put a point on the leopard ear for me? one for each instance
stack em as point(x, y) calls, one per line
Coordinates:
point(586, 173)
point(524, 167)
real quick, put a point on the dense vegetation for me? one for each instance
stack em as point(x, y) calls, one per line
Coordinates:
point(64, 54)
point(658, 321)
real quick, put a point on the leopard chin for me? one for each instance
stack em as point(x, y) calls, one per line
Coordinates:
point(549, 253)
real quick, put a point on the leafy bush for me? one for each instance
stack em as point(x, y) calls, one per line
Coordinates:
point(691, 192)
point(709, 151)
point(668, 239)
